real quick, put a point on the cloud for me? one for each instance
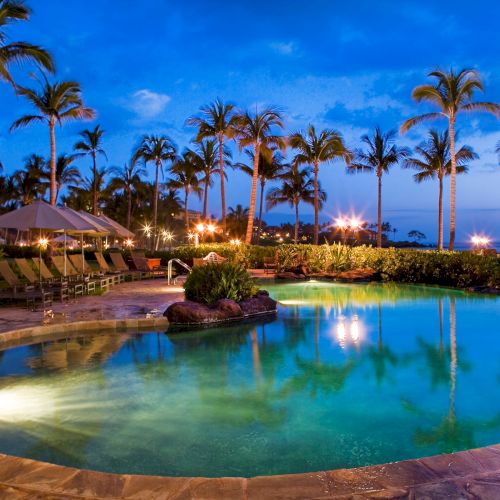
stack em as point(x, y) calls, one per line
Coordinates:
point(148, 104)
point(284, 48)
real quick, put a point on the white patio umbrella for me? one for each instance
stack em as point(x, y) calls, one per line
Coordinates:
point(41, 216)
point(120, 231)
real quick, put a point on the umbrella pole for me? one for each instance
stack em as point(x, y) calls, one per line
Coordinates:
point(83, 254)
point(40, 257)
point(65, 270)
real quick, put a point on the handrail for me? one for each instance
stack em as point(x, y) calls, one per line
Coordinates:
point(170, 268)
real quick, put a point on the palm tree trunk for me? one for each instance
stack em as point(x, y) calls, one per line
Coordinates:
point(440, 214)
point(296, 231)
point(155, 202)
point(316, 204)
point(129, 208)
point(253, 196)
point(453, 361)
point(453, 184)
point(186, 211)
point(205, 198)
point(221, 173)
point(259, 229)
point(94, 185)
point(379, 211)
point(52, 161)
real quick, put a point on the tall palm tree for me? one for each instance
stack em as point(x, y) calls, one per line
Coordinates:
point(26, 183)
point(186, 171)
point(237, 219)
point(80, 194)
point(66, 173)
point(382, 153)
point(206, 155)
point(156, 149)
point(91, 145)
point(434, 162)
point(12, 11)
point(297, 185)
point(313, 150)
point(216, 120)
point(126, 179)
point(255, 130)
point(452, 93)
point(270, 167)
point(55, 103)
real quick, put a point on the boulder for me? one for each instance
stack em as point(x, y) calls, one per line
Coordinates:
point(261, 303)
point(288, 275)
point(189, 312)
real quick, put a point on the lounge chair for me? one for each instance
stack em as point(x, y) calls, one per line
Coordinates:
point(79, 262)
point(21, 290)
point(121, 265)
point(269, 265)
point(118, 276)
point(58, 289)
point(74, 277)
point(152, 267)
point(74, 288)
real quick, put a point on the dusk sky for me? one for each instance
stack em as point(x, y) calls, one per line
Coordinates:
point(146, 66)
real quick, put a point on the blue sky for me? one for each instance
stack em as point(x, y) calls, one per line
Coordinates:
point(147, 66)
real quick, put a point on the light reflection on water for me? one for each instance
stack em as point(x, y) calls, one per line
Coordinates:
point(346, 375)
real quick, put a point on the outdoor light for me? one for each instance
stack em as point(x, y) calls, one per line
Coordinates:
point(479, 241)
point(355, 223)
point(235, 242)
point(43, 242)
point(129, 243)
point(191, 236)
point(210, 228)
point(341, 223)
point(200, 227)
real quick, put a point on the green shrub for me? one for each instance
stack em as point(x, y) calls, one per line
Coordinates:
point(212, 282)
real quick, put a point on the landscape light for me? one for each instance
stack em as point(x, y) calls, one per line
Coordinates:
point(43, 242)
point(200, 227)
point(190, 236)
point(210, 228)
point(355, 223)
point(480, 241)
point(341, 223)
point(235, 242)
point(129, 243)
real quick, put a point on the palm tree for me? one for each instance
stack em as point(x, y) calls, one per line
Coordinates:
point(206, 155)
point(186, 171)
point(316, 149)
point(255, 130)
point(217, 120)
point(156, 149)
point(55, 103)
point(66, 172)
point(434, 162)
point(237, 219)
point(26, 183)
point(381, 154)
point(80, 196)
point(91, 145)
point(270, 167)
point(127, 179)
point(18, 52)
point(297, 185)
point(452, 93)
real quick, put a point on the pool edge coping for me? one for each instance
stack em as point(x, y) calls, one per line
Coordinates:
point(24, 476)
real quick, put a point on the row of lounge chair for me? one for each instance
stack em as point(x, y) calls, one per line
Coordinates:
point(74, 276)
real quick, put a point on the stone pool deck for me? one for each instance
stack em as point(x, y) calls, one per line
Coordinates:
point(134, 299)
point(472, 474)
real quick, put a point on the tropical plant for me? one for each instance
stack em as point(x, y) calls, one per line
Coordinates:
point(255, 130)
point(434, 161)
point(66, 173)
point(155, 149)
point(452, 92)
point(381, 154)
point(185, 171)
point(313, 150)
point(237, 219)
point(26, 183)
point(12, 11)
point(209, 283)
point(91, 145)
point(126, 179)
point(216, 120)
point(55, 103)
point(80, 194)
point(270, 168)
point(416, 235)
point(297, 185)
point(205, 155)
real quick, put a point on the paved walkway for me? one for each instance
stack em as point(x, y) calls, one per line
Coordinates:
point(134, 299)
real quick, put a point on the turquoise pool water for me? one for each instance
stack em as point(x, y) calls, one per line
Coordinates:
point(344, 376)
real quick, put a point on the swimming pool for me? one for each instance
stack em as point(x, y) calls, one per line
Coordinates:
point(344, 376)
